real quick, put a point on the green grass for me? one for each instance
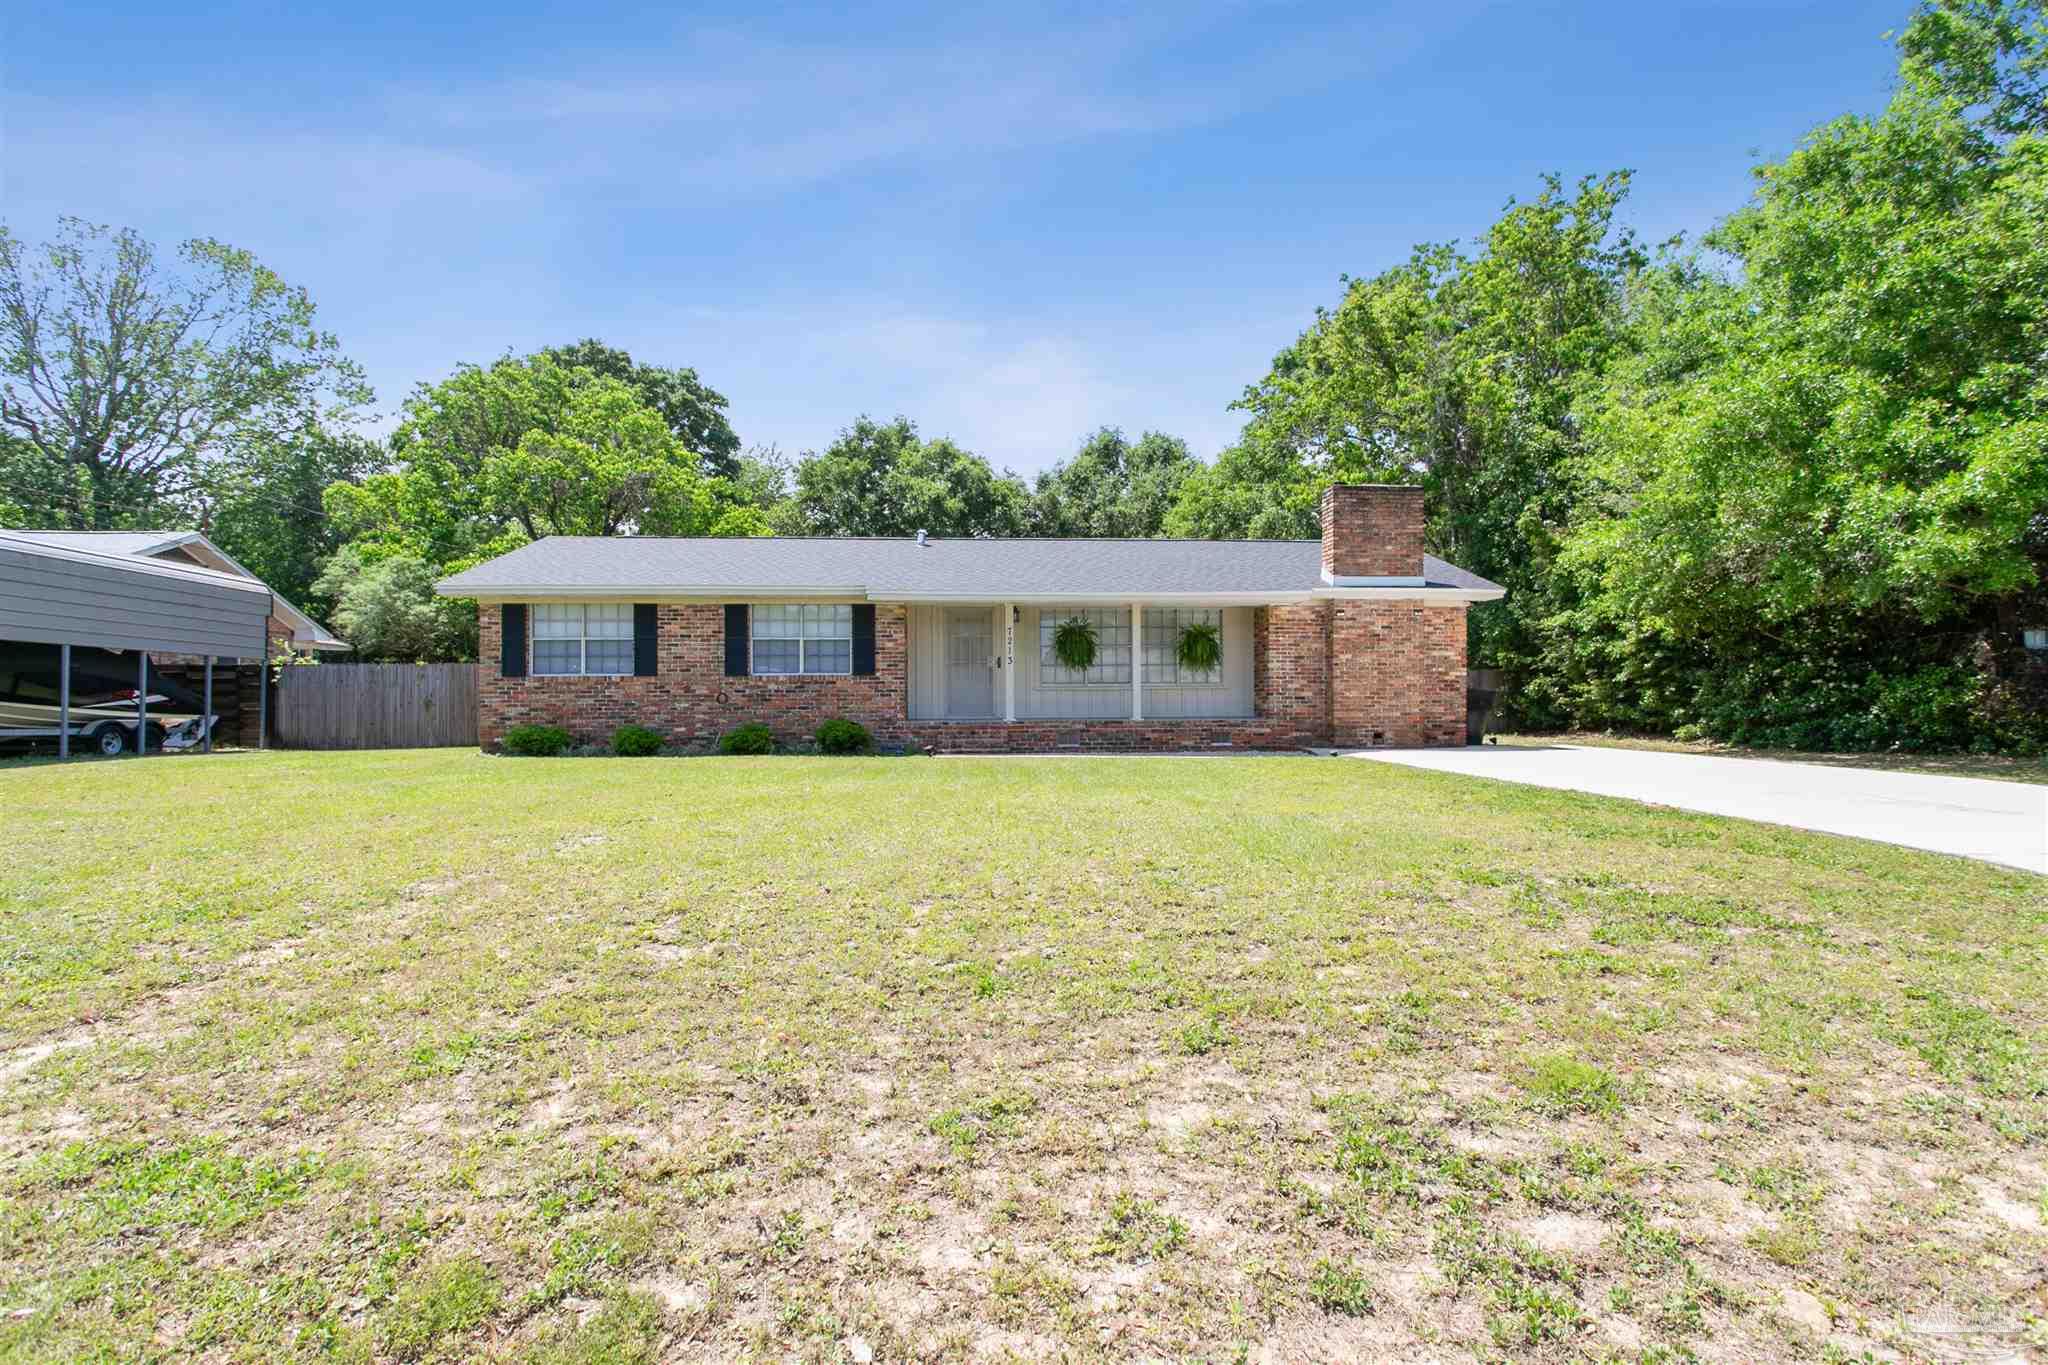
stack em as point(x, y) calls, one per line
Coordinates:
point(441, 1057)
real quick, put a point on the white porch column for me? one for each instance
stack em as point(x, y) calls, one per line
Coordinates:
point(1009, 661)
point(1137, 661)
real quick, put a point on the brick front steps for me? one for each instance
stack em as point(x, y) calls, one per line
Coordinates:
point(1104, 736)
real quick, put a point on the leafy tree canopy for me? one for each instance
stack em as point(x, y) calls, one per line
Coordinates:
point(1858, 420)
point(131, 378)
point(387, 610)
point(693, 411)
point(882, 479)
point(495, 456)
point(1112, 486)
point(1456, 370)
point(264, 508)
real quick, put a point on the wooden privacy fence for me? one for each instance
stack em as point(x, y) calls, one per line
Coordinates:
point(376, 706)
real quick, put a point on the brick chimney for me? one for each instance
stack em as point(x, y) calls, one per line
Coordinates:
point(1372, 535)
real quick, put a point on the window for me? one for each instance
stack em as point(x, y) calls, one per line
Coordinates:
point(1163, 626)
point(793, 639)
point(1112, 648)
point(577, 637)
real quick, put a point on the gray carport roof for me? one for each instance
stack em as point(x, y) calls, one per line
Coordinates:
point(306, 632)
point(57, 594)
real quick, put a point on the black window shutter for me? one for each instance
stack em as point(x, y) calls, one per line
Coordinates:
point(863, 639)
point(644, 634)
point(512, 638)
point(735, 640)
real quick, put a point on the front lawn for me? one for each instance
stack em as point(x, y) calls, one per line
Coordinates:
point(432, 1055)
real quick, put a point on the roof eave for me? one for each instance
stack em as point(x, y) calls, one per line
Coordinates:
point(556, 592)
point(1439, 596)
point(584, 592)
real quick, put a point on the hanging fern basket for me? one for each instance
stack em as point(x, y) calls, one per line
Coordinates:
point(1200, 647)
point(1073, 643)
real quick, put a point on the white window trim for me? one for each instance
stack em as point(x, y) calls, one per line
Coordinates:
point(583, 639)
point(1219, 683)
point(801, 641)
point(1047, 661)
point(1216, 682)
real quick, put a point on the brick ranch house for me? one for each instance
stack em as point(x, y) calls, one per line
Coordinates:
point(1356, 640)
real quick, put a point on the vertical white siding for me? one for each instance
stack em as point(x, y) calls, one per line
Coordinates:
point(1232, 696)
point(927, 663)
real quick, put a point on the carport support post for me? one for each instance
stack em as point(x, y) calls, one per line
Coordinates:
point(263, 697)
point(63, 701)
point(141, 703)
point(206, 722)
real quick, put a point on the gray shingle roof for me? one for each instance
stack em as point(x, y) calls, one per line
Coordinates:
point(894, 568)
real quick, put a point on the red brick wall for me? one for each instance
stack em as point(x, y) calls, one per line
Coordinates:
point(1348, 672)
point(690, 700)
point(1291, 668)
point(1105, 736)
point(1372, 530)
point(1397, 674)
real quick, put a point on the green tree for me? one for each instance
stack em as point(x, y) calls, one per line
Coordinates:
point(264, 507)
point(609, 465)
point(387, 610)
point(1458, 371)
point(1842, 448)
point(128, 376)
point(39, 491)
point(764, 478)
point(1261, 491)
point(431, 502)
point(693, 410)
point(495, 456)
point(882, 479)
point(1112, 487)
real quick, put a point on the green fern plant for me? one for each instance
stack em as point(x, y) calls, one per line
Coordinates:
point(1200, 647)
point(1073, 643)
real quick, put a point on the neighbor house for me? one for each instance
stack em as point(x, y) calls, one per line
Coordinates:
point(1356, 639)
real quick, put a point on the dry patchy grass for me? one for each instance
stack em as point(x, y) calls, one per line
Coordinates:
point(421, 1056)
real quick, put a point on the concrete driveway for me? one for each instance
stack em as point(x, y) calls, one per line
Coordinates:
point(1972, 817)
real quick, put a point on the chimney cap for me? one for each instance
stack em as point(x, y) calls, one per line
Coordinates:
point(922, 534)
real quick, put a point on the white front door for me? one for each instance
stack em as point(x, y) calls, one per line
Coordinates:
point(970, 663)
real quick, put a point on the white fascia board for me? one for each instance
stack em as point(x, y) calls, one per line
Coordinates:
point(1374, 581)
point(1102, 599)
point(645, 592)
point(1431, 596)
point(659, 592)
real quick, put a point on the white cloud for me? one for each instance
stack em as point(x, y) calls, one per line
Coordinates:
point(746, 114)
point(452, 223)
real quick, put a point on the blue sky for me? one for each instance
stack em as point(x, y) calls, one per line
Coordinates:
point(1012, 226)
